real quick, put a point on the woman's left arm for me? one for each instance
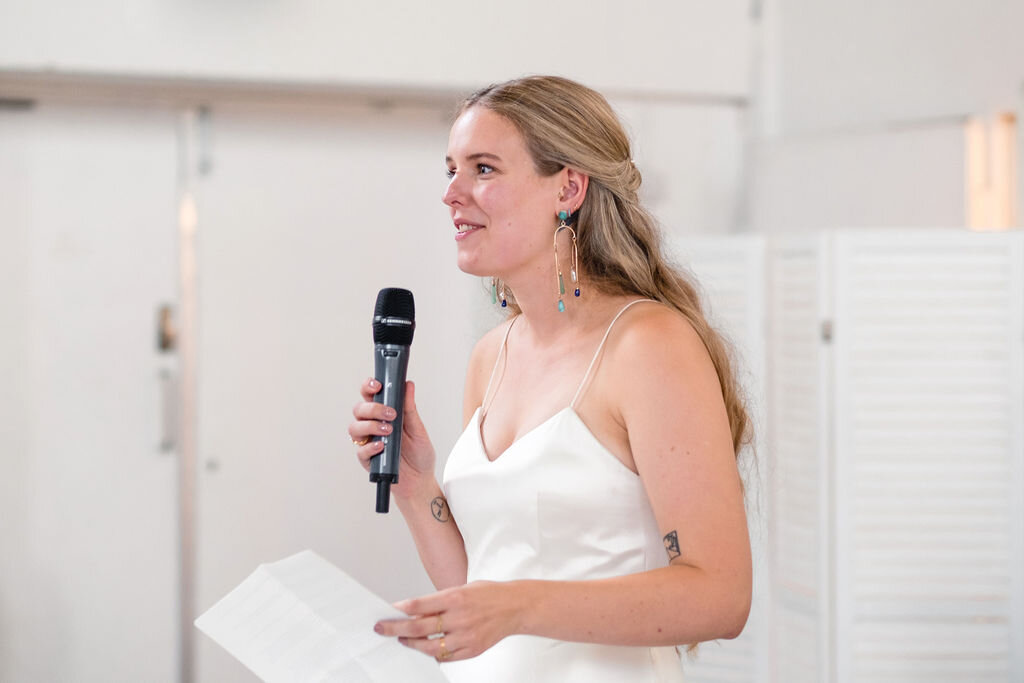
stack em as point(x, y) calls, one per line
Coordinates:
point(670, 402)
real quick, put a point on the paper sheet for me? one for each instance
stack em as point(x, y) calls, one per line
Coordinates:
point(303, 619)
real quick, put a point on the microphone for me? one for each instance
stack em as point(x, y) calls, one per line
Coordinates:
point(394, 319)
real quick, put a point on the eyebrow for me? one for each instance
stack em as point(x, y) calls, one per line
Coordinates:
point(476, 156)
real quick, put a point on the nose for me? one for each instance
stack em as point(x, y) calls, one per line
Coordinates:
point(455, 193)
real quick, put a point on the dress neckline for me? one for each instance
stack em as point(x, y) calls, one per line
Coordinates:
point(474, 423)
point(481, 412)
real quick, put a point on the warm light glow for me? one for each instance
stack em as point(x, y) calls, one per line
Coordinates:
point(991, 172)
point(187, 214)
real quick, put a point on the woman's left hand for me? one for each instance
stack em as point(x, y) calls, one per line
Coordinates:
point(469, 619)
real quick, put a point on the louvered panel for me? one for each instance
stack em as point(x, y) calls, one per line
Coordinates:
point(928, 360)
point(730, 272)
point(800, 542)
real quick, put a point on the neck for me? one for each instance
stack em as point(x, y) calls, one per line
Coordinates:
point(537, 295)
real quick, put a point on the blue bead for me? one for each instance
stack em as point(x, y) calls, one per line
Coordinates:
point(577, 292)
point(561, 306)
point(505, 303)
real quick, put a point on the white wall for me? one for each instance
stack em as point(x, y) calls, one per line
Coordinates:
point(876, 61)
point(666, 46)
point(860, 108)
point(895, 178)
point(676, 71)
point(87, 498)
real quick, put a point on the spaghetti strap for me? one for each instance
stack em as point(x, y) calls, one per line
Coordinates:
point(600, 346)
point(484, 405)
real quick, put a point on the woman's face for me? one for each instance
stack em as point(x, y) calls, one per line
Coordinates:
point(502, 209)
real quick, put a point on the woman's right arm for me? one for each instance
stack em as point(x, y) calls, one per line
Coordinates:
point(417, 493)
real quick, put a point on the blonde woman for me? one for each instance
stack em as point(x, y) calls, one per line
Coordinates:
point(590, 517)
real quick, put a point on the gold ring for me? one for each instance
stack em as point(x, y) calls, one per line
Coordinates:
point(361, 442)
point(440, 625)
point(444, 654)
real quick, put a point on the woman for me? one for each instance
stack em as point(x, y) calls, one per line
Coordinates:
point(591, 514)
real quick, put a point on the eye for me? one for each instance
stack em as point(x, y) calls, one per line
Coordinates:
point(450, 173)
point(484, 169)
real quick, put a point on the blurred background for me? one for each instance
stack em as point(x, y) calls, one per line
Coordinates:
point(200, 200)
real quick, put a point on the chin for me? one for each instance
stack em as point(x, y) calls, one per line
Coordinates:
point(470, 267)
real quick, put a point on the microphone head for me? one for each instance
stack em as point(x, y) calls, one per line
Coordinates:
point(394, 317)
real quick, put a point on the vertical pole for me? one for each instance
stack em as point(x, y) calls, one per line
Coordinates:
point(187, 456)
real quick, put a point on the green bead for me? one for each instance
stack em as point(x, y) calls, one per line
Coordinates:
point(561, 284)
point(563, 215)
point(561, 306)
point(494, 293)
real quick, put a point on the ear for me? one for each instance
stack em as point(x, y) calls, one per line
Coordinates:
point(574, 190)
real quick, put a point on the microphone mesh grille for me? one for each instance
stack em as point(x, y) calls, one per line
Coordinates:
point(394, 317)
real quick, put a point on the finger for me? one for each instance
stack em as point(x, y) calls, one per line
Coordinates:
point(363, 430)
point(373, 411)
point(432, 647)
point(369, 389)
point(410, 414)
point(435, 603)
point(366, 453)
point(418, 627)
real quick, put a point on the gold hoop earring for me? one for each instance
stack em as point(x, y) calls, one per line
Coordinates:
point(574, 271)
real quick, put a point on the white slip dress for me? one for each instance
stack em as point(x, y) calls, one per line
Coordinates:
point(555, 505)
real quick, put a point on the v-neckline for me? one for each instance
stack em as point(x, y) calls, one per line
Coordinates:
point(478, 428)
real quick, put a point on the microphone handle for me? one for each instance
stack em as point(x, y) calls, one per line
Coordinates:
point(390, 362)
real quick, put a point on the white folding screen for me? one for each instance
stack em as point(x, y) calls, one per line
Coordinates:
point(927, 412)
point(798, 381)
point(730, 271)
point(896, 416)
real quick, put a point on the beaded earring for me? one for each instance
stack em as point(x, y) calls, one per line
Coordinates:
point(563, 217)
point(495, 292)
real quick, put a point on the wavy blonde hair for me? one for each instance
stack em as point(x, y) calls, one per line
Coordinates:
point(564, 124)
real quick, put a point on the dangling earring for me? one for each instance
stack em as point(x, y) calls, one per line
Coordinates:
point(574, 271)
point(494, 292)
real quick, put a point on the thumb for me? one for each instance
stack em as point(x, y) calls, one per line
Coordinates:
point(411, 416)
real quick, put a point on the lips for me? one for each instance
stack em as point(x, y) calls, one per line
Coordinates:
point(464, 229)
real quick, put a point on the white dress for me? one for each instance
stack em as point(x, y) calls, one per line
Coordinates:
point(555, 505)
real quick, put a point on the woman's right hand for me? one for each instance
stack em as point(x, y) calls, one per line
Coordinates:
point(374, 419)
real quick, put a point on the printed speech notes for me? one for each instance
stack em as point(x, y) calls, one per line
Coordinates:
point(303, 619)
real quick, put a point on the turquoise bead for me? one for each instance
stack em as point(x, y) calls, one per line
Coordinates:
point(561, 306)
point(563, 216)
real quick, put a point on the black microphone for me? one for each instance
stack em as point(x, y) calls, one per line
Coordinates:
point(394, 319)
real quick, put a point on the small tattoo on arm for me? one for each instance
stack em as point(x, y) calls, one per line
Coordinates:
point(672, 545)
point(439, 506)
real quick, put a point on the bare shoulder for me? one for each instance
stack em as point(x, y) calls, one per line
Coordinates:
point(652, 334)
point(481, 362)
point(658, 357)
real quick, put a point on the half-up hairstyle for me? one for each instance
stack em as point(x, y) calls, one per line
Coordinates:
point(620, 249)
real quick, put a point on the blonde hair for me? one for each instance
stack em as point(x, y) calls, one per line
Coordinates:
point(564, 124)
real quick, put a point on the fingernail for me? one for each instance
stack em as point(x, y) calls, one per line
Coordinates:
point(385, 427)
point(374, 384)
point(378, 628)
point(390, 413)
